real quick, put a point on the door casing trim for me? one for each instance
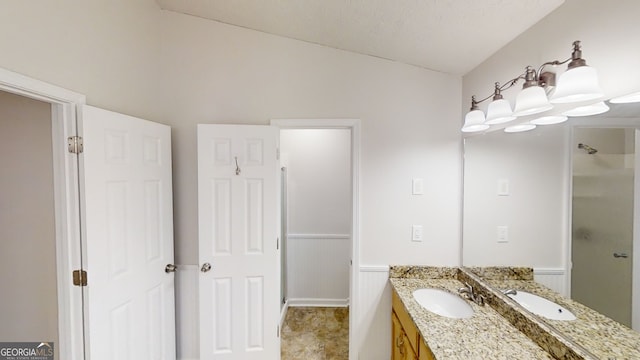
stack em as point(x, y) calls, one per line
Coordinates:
point(67, 203)
point(354, 126)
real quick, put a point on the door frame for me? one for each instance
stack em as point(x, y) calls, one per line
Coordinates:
point(606, 122)
point(67, 203)
point(354, 126)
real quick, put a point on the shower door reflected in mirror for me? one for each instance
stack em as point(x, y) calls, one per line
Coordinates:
point(602, 220)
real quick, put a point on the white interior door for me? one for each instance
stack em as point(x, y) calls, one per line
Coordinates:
point(129, 300)
point(238, 230)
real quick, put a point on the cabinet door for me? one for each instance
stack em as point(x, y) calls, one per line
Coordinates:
point(425, 352)
point(401, 346)
point(409, 354)
point(397, 338)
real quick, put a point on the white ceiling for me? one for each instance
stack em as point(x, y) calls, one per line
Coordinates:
point(451, 36)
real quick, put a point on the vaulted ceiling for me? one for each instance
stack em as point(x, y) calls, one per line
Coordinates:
point(451, 36)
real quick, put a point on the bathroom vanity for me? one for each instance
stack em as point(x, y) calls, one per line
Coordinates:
point(500, 328)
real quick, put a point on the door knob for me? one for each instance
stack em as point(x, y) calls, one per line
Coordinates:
point(620, 255)
point(170, 268)
point(205, 267)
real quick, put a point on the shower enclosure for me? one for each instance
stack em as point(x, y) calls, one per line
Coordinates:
point(603, 220)
point(283, 237)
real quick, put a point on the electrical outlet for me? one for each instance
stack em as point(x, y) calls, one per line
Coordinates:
point(416, 233)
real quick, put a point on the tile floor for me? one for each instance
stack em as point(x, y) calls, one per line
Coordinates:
point(315, 333)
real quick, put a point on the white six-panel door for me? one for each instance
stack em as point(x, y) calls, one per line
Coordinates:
point(238, 229)
point(129, 300)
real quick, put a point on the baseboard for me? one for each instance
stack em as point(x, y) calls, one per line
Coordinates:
point(553, 278)
point(318, 302)
point(374, 268)
point(548, 271)
point(283, 312)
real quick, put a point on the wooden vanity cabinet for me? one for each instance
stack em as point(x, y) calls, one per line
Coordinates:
point(407, 344)
point(402, 349)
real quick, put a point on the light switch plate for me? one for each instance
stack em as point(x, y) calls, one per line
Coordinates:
point(417, 186)
point(416, 233)
point(503, 187)
point(503, 234)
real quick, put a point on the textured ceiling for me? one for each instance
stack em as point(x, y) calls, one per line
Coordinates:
point(451, 36)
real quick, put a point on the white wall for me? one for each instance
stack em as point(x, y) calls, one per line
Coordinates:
point(29, 310)
point(318, 165)
point(318, 243)
point(216, 73)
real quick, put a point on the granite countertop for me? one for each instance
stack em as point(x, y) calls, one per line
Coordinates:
point(485, 335)
point(600, 335)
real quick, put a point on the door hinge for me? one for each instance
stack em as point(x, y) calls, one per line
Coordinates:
point(278, 330)
point(277, 243)
point(277, 153)
point(75, 144)
point(79, 278)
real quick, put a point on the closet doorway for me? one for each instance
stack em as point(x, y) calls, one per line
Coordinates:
point(319, 228)
point(29, 310)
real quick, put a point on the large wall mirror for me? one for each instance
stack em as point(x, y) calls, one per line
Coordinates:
point(560, 195)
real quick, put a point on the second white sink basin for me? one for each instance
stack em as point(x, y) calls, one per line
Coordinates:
point(443, 303)
point(541, 306)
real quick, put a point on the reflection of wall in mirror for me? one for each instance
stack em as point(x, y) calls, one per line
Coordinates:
point(535, 167)
point(604, 28)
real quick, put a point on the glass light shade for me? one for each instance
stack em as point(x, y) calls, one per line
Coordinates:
point(499, 112)
point(474, 121)
point(519, 128)
point(577, 84)
point(629, 98)
point(549, 120)
point(531, 100)
point(593, 109)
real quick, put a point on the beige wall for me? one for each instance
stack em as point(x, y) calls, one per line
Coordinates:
point(217, 73)
point(106, 50)
point(227, 74)
point(28, 309)
point(130, 57)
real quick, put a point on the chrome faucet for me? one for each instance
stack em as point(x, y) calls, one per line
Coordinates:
point(510, 292)
point(468, 292)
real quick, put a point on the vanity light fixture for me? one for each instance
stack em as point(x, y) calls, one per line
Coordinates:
point(593, 109)
point(579, 83)
point(474, 121)
point(550, 120)
point(532, 99)
point(625, 99)
point(499, 110)
point(519, 128)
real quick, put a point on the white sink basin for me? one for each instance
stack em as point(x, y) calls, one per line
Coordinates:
point(443, 303)
point(541, 306)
